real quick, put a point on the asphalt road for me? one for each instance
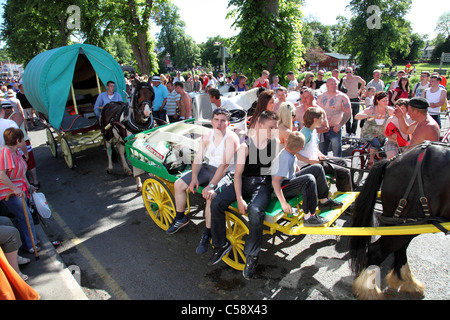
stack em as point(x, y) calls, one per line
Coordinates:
point(105, 231)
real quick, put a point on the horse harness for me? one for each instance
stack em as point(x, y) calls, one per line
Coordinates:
point(396, 218)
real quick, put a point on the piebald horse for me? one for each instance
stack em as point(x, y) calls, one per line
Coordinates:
point(119, 119)
point(414, 190)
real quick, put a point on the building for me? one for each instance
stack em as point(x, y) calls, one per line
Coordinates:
point(333, 61)
point(427, 51)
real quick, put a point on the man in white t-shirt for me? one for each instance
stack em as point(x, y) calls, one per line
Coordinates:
point(435, 95)
point(217, 101)
point(293, 83)
point(424, 83)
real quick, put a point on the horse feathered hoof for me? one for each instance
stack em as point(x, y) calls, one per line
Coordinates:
point(365, 286)
point(407, 283)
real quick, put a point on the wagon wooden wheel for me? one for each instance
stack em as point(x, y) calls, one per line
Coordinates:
point(51, 142)
point(237, 232)
point(66, 152)
point(159, 202)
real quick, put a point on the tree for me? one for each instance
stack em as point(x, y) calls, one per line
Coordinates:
point(443, 24)
point(172, 38)
point(131, 19)
point(270, 36)
point(210, 52)
point(315, 55)
point(30, 27)
point(376, 26)
point(319, 35)
point(120, 49)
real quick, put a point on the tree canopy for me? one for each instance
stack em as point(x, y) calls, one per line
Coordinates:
point(376, 27)
point(270, 37)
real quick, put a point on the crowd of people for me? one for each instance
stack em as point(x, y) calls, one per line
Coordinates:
point(247, 169)
point(286, 143)
point(18, 177)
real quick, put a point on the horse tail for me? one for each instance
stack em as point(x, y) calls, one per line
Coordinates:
point(363, 215)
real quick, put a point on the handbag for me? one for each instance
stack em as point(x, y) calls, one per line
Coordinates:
point(41, 204)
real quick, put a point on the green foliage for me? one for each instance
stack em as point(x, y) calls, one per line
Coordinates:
point(270, 36)
point(371, 45)
point(30, 27)
point(172, 38)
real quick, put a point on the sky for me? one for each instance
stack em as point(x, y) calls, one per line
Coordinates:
point(206, 18)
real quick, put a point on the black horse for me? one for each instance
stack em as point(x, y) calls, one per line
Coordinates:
point(414, 189)
point(119, 119)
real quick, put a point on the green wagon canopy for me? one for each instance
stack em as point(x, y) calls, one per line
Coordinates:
point(48, 77)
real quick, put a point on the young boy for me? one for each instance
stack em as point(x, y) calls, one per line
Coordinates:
point(310, 182)
point(310, 154)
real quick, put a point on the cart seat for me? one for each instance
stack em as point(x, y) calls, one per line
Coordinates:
point(78, 123)
point(274, 210)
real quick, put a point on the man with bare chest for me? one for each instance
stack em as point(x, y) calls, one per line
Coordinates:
point(351, 83)
point(185, 101)
point(424, 126)
point(337, 108)
point(308, 100)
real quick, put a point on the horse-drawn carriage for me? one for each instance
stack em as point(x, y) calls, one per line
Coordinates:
point(62, 85)
point(166, 153)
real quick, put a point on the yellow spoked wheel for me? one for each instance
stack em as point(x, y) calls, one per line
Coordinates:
point(159, 202)
point(237, 231)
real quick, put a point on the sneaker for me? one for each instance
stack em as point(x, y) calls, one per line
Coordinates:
point(22, 260)
point(23, 276)
point(177, 225)
point(250, 266)
point(315, 221)
point(204, 244)
point(31, 250)
point(219, 253)
point(352, 135)
point(330, 204)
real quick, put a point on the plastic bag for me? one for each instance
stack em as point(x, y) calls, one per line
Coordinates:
point(41, 205)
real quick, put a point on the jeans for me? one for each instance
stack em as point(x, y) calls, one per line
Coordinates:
point(437, 117)
point(97, 112)
point(310, 181)
point(161, 115)
point(15, 206)
point(352, 126)
point(376, 144)
point(259, 191)
point(336, 143)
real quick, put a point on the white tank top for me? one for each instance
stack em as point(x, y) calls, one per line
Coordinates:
point(215, 154)
point(433, 97)
point(310, 150)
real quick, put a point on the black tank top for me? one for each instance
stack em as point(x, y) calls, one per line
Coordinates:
point(258, 161)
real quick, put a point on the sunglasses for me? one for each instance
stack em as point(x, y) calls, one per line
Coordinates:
point(221, 111)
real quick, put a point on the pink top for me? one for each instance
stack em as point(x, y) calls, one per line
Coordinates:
point(15, 167)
